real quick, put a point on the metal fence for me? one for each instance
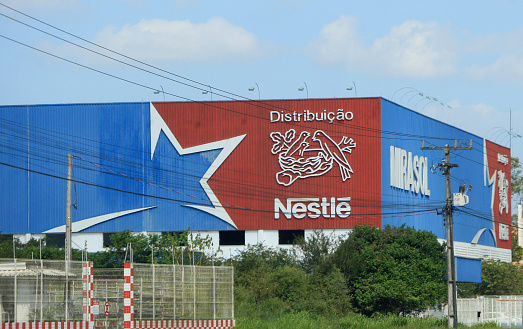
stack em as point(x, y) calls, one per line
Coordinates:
point(505, 311)
point(183, 292)
point(47, 291)
point(40, 291)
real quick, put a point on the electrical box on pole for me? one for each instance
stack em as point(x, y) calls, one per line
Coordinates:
point(461, 198)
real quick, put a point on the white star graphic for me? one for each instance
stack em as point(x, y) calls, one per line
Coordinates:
point(227, 146)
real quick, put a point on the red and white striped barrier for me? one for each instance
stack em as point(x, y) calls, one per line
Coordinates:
point(128, 296)
point(88, 288)
point(46, 325)
point(167, 324)
point(185, 324)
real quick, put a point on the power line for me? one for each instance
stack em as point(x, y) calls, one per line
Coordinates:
point(252, 103)
point(129, 81)
point(191, 203)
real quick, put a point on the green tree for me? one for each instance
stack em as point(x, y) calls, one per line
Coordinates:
point(393, 270)
point(315, 250)
point(254, 265)
point(158, 248)
point(517, 250)
point(269, 282)
point(516, 186)
point(34, 249)
point(499, 278)
point(516, 178)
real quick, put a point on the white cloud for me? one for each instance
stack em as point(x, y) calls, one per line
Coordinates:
point(421, 50)
point(413, 49)
point(480, 119)
point(339, 43)
point(507, 68)
point(216, 40)
point(416, 49)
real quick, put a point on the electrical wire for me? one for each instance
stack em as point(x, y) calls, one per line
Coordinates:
point(138, 84)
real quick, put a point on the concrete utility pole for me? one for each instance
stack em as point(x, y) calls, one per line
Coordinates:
point(451, 266)
point(68, 223)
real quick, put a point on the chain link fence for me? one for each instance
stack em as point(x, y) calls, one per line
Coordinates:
point(47, 291)
point(40, 291)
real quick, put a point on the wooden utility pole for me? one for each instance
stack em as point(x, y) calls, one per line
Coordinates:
point(451, 265)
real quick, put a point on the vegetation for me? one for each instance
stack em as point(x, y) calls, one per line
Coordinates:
point(158, 248)
point(498, 278)
point(516, 178)
point(10, 247)
point(372, 278)
point(393, 270)
point(166, 249)
point(304, 320)
point(397, 271)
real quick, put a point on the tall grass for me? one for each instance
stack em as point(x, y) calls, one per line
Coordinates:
point(305, 320)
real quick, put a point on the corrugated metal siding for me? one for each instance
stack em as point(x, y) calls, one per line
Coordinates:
point(112, 142)
point(414, 128)
point(246, 183)
point(115, 171)
point(113, 145)
point(14, 186)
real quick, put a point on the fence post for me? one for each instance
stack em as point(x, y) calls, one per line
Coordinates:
point(194, 290)
point(174, 291)
point(213, 293)
point(141, 299)
point(128, 302)
point(88, 288)
point(232, 291)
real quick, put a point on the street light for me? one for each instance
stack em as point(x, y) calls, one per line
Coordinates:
point(163, 92)
point(205, 92)
point(258, 87)
point(307, 89)
point(350, 88)
point(392, 98)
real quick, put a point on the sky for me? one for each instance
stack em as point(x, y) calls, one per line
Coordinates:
point(466, 54)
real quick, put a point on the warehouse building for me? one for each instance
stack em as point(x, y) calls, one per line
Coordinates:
point(245, 172)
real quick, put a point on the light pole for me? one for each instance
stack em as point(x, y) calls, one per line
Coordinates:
point(206, 92)
point(392, 98)
point(257, 87)
point(306, 89)
point(163, 92)
point(350, 88)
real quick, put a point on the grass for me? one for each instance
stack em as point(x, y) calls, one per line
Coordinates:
point(304, 320)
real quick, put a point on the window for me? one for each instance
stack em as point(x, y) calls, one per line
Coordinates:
point(232, 238)
point(288, 236)
point(107, 239)
point(55, 240)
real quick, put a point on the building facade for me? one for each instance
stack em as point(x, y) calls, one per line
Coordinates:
point(245, 172)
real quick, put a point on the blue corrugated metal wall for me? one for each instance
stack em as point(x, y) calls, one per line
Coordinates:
point(112, 145)
point(405, 129)
point(112, 142)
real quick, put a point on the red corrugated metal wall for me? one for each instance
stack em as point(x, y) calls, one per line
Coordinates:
point(246, 183)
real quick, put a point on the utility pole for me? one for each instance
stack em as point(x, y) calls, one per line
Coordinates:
point(451, 266)
point(68, 223)
point(68, 215)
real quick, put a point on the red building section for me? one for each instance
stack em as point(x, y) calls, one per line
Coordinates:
point(302, 164)
point(498, 159)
